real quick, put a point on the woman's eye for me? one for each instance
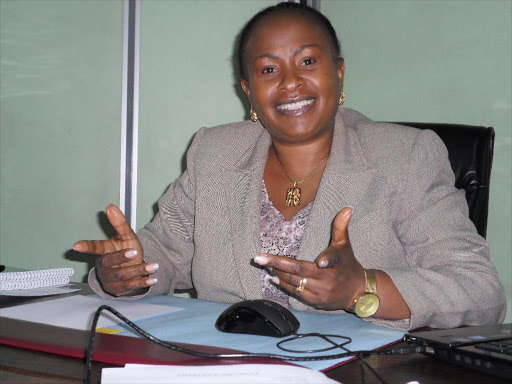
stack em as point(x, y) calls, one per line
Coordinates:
point(309, 61)
point(268, 70)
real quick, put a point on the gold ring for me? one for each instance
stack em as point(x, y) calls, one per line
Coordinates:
point(302, 284)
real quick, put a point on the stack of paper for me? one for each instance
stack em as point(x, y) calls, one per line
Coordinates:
point(213, 374)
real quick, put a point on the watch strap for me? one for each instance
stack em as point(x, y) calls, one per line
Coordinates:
point(371, 281)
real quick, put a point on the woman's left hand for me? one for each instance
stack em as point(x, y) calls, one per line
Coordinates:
point(334, 280)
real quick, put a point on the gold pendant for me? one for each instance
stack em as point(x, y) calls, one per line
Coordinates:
point(293, 196)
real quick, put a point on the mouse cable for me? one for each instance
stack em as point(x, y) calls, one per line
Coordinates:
point(348, 340)
point(177, 348)
point(326, 338)
point(334, 345)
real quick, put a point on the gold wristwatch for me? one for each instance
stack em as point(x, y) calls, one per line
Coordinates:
point(368, 303)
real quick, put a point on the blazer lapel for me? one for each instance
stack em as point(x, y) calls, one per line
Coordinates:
point(345, 181)
point(246, 198)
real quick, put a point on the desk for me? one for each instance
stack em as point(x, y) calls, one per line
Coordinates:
point(24, 366)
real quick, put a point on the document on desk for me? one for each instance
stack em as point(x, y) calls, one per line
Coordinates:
point(77, 311)
point(213, 374)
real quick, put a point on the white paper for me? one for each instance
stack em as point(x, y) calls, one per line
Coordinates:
point(213, 374)
point(77, 311)
point(44, 291)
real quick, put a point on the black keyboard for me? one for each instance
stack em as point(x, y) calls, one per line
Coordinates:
point(492, 357)
point(500, 346)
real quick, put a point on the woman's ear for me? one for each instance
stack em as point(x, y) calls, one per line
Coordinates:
point(341, 71)
point(245, 87)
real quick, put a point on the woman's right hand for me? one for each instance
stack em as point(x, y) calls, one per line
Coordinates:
point(120, 265)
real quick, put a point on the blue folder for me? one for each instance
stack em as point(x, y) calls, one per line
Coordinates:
point(195, 324)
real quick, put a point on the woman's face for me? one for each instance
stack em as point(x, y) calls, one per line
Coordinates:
point(294, 80)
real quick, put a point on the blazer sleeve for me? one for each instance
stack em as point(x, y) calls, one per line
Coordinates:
point(168, 239)
point(449, 280)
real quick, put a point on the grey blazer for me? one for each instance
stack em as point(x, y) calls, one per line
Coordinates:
point(408, 221)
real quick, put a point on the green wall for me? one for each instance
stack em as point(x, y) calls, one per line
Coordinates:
point(60, 87)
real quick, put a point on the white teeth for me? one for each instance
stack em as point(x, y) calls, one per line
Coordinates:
point(297, 105)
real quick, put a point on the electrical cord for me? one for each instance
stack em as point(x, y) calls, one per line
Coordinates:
point(323, 337)
point(177, 348)
point(334, 345)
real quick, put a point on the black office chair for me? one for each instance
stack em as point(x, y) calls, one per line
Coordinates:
point(470, 150)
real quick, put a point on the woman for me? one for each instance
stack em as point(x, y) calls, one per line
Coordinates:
point(310, 205)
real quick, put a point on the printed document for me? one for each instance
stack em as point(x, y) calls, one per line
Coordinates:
point(216, 374)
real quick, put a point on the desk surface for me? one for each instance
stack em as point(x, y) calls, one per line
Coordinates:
point(24, 366)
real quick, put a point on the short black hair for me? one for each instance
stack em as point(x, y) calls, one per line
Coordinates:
point(284, 8)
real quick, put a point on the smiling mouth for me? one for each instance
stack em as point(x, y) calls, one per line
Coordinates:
point(297, 107)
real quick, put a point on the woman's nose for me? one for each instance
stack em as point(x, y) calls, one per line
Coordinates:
point(290, 80)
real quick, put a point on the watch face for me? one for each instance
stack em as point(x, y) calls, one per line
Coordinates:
point(367, 305)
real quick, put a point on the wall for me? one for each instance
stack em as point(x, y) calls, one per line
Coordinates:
point(60, 87)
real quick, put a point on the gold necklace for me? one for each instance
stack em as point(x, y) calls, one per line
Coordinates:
point(293, 193)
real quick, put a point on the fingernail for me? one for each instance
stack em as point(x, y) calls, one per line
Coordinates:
point(151, 268)
point(130, 254)
point(151, 281)
point(275, 280)
point(324, 263)
point(261, 260)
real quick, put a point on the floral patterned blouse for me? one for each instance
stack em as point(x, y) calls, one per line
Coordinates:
point(279, 237)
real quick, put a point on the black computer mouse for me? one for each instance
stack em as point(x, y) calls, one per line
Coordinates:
point(258, 317)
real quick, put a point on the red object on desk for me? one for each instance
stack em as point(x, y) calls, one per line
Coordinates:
point(112, 349)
